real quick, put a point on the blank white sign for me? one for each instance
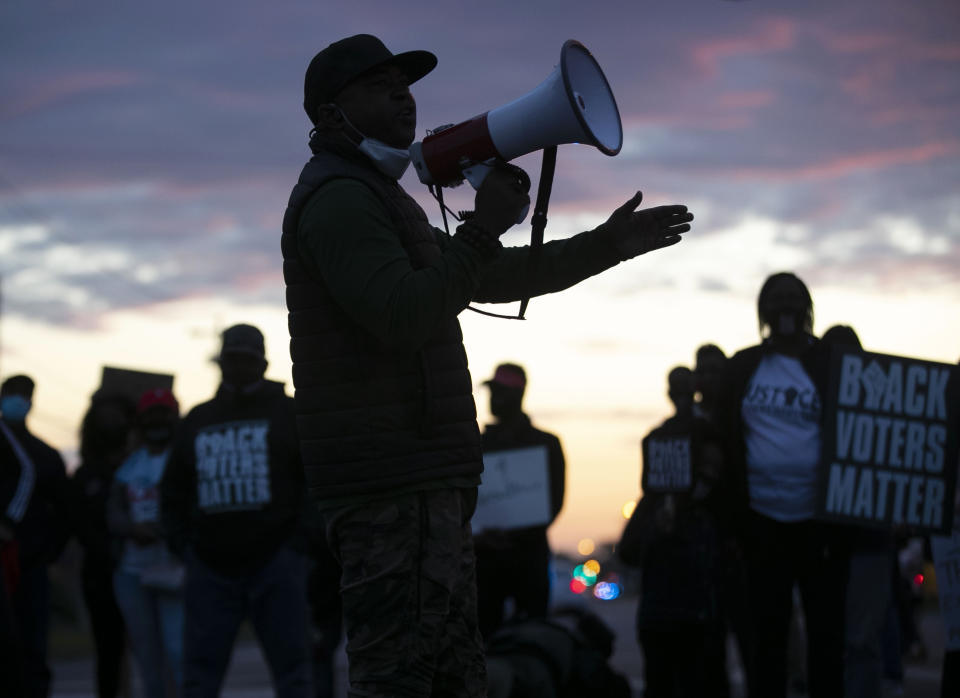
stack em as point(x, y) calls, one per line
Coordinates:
point(516, 489)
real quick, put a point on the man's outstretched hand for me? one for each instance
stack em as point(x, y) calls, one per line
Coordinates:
point(635, 232)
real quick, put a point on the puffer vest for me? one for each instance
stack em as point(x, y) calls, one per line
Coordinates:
point(370, 417)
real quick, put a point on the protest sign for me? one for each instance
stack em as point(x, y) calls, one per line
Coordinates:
point(132, 383)
point(516, 490)
point(667, 462)
point(889, 442)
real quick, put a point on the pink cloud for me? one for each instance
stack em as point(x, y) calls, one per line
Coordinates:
point(254, 281)
point(913, 114)
point(41, 93)
point(708, 120)
point(858, 43)
point(896, 46)
point(220, 223)
point(728, 111)
point(848, 164)
point(870, 80)
point(227, 98)
point(747, 99)
point(768, 36)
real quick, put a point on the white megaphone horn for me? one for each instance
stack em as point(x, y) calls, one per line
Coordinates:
point(573, 105)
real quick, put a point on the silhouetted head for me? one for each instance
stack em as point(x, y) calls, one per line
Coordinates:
point(680, 388)
point(16, 398)
point(18, 385)
point(357, 82)
point(507, 387)
point(842, 335)
point(785, 307)
point(106, 427)
point(708, 371)
point(242, 357)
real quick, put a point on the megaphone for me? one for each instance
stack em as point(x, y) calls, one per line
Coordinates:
point(573, 105)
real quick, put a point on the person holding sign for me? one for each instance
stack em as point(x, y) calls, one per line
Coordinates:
point(674, 537)
point(868, 584)
point(231, 505)
point(515, 563)
point(770, 418)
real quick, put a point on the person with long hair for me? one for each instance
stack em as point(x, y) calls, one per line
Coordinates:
point(104, 441)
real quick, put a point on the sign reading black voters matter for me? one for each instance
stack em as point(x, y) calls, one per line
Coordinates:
point(516, 489)
point(233, 466)
point(667, 462)
point(890, 442)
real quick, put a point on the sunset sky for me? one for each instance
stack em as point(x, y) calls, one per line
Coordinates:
point(147, 151)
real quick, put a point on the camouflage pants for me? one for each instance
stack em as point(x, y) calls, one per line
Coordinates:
point(409, 595)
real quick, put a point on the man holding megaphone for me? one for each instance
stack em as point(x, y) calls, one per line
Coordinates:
point(384, 398)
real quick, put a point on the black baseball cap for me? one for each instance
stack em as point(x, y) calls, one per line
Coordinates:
point(243, 339)
point(343, 61)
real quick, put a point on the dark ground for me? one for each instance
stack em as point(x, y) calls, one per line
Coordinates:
point(248, 676)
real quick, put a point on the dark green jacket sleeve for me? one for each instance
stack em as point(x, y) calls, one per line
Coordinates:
point(347, 239)
point(560, 265)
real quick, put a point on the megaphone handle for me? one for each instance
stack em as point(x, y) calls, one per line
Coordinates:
point(539, 221)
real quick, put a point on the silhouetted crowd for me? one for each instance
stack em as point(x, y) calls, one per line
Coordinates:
point(729, 544)
point(190, 526)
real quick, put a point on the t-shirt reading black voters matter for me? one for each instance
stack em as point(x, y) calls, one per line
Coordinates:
point(233, 490)
point(233, 466)
point(781, 416)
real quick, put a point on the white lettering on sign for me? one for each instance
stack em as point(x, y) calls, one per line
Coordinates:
point(233, 466)
point(920, 391)
point(871, 494)
point(897, 443)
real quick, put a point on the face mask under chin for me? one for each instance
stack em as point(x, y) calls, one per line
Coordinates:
point(391, 161)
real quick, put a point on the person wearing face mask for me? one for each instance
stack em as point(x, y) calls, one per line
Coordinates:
point(41, 533)
point(770, 418)
point(16, 485)
point(231, 503)
point(384, 395)
point(148, 579)
point(515, 564)
point(673, 536)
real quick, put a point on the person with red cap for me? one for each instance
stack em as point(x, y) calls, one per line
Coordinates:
point(384, 397)
point(515, 564)
point(148, 580)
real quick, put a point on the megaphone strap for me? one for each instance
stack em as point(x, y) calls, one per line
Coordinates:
point(547, 168)
point(539, 221)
